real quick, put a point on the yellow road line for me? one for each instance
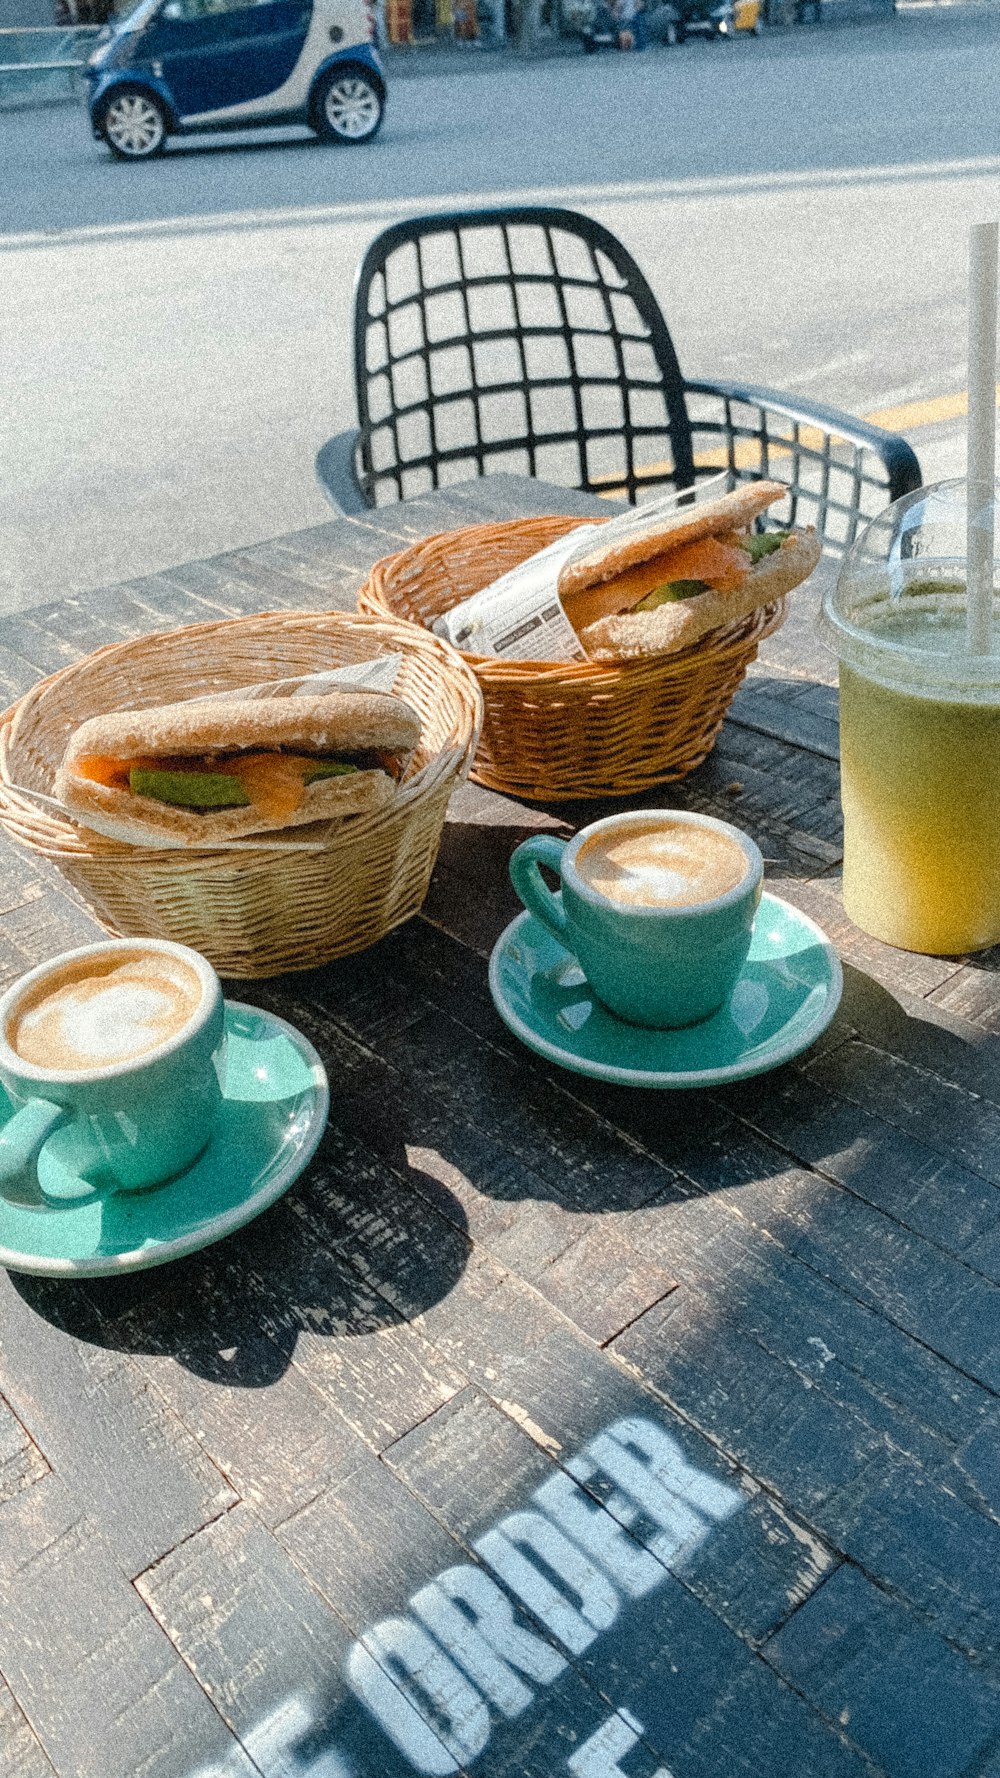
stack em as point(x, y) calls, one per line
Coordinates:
point(930, 412)
point(906, 418)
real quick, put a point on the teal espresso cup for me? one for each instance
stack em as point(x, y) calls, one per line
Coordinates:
point(657, 907)
point(112, 1057)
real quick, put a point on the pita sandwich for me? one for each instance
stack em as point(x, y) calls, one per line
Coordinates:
point(210, 771)
point(658, 585)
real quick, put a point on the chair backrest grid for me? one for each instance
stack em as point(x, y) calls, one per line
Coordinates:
point(519, 341)
point(463, 289)
point(825, 484)
point(602, 270)
point(568, 342)
point(626, 432)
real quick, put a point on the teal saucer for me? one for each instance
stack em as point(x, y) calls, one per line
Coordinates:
point(273, 1114)
point(787, 994)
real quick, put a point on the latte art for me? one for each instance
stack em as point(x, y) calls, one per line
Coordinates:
point(668, 865)
point(99, 1012)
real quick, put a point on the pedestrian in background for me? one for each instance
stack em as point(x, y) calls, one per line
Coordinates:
point(630, 19)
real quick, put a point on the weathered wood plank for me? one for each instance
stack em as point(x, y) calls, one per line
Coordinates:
point(198, 1341)
point(99, 1683)
point(377, 1371)
point(795, 1438)
point(43, 649)
point(17, 675)
point(946, 1116)
point(84, 625)
point(925, 1538)
point(896, 970)
point(307, 558)
point(506, 496)
point(672, 1667)
point(115, 605)
point(270, 1653)
point(21, 1753)
point(973, 991)
point(775, 706)
point(916, 1030)
point(43, 925)
point(475, 1458)
point(503, 1120)
point(950, 1206)
point(487, 1323)
point(898, 1279)
point(166, 604)
point(917, 1527)
point(703, 1669)
point(23, 878)
point(905, 1698)
point(21, 1462)
point(797, 791)
point(470, 1463)
point(360, 1544)
point(12, 962)
point(366, 1543)
point(132, 1465)
point(481, 1139)
point(237, 594)
point(298, 580)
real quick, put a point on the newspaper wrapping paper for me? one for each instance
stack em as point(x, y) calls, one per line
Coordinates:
point(520, 617)
point(379, 674)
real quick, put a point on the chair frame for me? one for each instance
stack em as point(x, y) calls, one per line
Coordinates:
point(778, 432)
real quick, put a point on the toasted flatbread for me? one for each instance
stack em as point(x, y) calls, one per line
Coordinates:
point(680, 623)
point(344, 723)
point(354, 720)
point(652, 536)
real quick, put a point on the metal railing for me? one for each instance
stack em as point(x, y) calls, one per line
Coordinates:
point(24, 47)
point(41, 63)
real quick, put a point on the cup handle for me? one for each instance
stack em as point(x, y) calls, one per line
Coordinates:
point(538, 898)
point(23, 1135)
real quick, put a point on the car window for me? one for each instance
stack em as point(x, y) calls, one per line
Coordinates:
point(202, 9)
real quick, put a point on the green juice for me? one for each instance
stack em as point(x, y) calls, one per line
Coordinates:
point(920, 786)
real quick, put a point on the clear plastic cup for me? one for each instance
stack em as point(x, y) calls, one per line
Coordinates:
point(919, 730)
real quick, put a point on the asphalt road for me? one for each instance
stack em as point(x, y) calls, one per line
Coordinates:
point(176, 336)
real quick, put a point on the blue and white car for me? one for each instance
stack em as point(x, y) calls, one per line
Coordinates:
point(175, 67)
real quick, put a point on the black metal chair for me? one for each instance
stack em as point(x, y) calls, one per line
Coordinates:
point(528, 340)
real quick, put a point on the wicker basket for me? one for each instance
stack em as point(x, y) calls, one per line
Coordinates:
point(570, 729)
point(256, 909)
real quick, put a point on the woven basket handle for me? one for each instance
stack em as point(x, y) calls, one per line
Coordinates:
point(538, 898)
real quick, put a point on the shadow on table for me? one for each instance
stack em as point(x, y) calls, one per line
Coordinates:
point(234, 1314)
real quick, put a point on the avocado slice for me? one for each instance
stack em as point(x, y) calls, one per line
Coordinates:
point(759, 544)
point(669, 591)
point(189, 790)
point(328, 768)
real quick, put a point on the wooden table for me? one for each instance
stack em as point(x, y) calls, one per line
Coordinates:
point(759, 1327)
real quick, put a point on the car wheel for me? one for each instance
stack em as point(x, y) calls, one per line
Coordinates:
point(348, 107)
point(133, 124)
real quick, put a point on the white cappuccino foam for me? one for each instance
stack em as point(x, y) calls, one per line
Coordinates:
point(99, 1012)
point(671, 865)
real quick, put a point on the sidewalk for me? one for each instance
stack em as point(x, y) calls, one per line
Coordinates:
point(443, 56)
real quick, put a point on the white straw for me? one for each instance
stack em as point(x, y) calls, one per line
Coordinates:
point(981, 434)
